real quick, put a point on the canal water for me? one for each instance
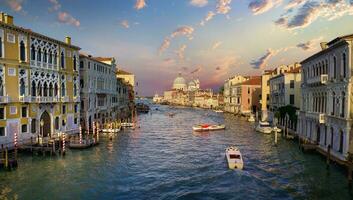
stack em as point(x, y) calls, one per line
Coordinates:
point(164, 159)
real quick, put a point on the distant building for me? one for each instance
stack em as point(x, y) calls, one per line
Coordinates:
point(127, 76)
point(247, 95)
point(180, 83)
point(230, 95)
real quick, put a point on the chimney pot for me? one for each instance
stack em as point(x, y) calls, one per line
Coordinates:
point(323, 45)
point(68, 40)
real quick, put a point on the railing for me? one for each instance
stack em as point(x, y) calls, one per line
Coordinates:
point(77, 99)
point(33, 62)
point(4, 99)
point(25, 99)
point(321, 117)
point(65, 99)
point(322, 79)
point(45, 65)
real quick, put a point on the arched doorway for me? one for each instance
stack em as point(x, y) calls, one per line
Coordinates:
point(45, 124)
point(318, 134)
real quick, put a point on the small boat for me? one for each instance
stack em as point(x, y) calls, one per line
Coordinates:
point(127, 124)
point(251, 118)
point(208, 127)
point(109, 130)
point(264, 127)
point(83, 145)
point(142, 108)
point(218, 111)
point(234, 158)
point(276, 129)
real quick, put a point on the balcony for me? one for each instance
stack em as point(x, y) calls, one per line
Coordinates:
point(77, 99)
point(65, 99)
point(4, 99)
point(318, 80)
point(320, 117)
point(25, 99)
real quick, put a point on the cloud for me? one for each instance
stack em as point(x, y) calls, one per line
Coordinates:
point(169, 61)
point(261, 6)
point(310, 45)
point(261, 62)
point(223, 6)
point(186, 31)
point(15, 5)
point(125, 24)
point(140, 4)
point(180, 52)
point(66, 18)
point(310, 11)
point(199, 3)
point(216, 45)
point(198, 69)
point(183, 30)
point(208, 17)
point(294, 3)
point(218, 68)
point(165, 45)
point(55, 5)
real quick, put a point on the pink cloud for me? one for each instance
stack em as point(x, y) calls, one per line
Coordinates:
point(140, 4)
point(66, 18)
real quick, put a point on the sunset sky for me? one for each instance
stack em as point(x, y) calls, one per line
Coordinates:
point(206, 39)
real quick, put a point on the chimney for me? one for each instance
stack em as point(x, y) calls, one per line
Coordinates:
point(2, 17)
point(8, 19)
point(323, 45)
point(68, 40)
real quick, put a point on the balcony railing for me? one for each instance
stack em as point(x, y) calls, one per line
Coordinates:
point(321, 117)
point(77, 99)
point(4, 99)
point(318, 80)
point(25, 99)
point(65, 99)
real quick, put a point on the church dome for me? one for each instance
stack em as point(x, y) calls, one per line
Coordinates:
point(179, 83)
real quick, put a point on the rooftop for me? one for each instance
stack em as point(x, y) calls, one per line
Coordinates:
point(253, 80)
point(122, 72)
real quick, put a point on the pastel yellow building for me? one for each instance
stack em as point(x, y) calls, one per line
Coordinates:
point(127, 76)
point(39, 84)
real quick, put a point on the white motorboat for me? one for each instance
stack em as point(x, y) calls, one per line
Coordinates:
point(264, 127)
point(127, 124)
point(208, 127)
point(234, 158)
point(251, 118)
point(109, 130)
point(218, 111)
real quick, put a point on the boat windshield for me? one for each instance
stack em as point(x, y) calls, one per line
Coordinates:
point(234, 156)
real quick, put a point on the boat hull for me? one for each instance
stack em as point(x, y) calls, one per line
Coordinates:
point(234, 163)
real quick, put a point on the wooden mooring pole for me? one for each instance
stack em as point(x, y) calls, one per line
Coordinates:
point(328, 157)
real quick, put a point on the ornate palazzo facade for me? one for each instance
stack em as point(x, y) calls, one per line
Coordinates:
point(325, 117)
point(39, 84)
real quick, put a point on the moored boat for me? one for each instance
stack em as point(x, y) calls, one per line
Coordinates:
point(251, 118)
point(264, 127)
point(234, 158)
point(127, 124)
point(111, 130)
point(218, 111)
point(208, 127)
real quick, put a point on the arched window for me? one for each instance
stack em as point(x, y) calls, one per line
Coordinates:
point(0, 47)
point(45, 89)
point(333, 103)
point(326, 66)
point(33, 52)
point(39, 89)
point(55, 58)
point(50, 57)
point(34, 93)
point(22, 87)
point(75, 63)
point(45, 54)
point(334, 67)
point(75, 87)
point(56, 90)
point(343, 104)
point(341, 142)
point(50, 89)
point(39, 55)
point(63, 90)
point(62, 58)
point(344, 64)
point(22, 51)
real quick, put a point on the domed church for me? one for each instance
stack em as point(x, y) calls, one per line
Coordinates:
point(180, 83)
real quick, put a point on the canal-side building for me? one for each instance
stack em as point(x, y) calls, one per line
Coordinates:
point(99, 90)
point(247, 96)
point(39, 84)
point(126, 76)
point(285, 89)
point(325, 116)
point(229, 92)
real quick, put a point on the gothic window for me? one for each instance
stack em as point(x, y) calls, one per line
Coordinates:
point(62, 59)
point(45, 54)
point(33, 52)
point(56, 90)
point(22, 51)
point(50, 89)
point(341, 142)
point(50, 57)
point(63, 89)
point(331, 137)
point(39, 89)
point(45, 90)
point(344, 62)
point(34, 93)
point(75, 63)
point(334, 67)
point(39, 55)
point(333, 103)
point(75, 87)
point(343, 104)
point(0, 47)
point(55, 58)
point(22, 87)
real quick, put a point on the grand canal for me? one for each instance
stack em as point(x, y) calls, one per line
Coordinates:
point(164, 159)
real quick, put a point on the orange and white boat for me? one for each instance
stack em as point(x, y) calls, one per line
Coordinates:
point(208, 127)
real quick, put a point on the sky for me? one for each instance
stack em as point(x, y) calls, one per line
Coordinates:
point(211, 40)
